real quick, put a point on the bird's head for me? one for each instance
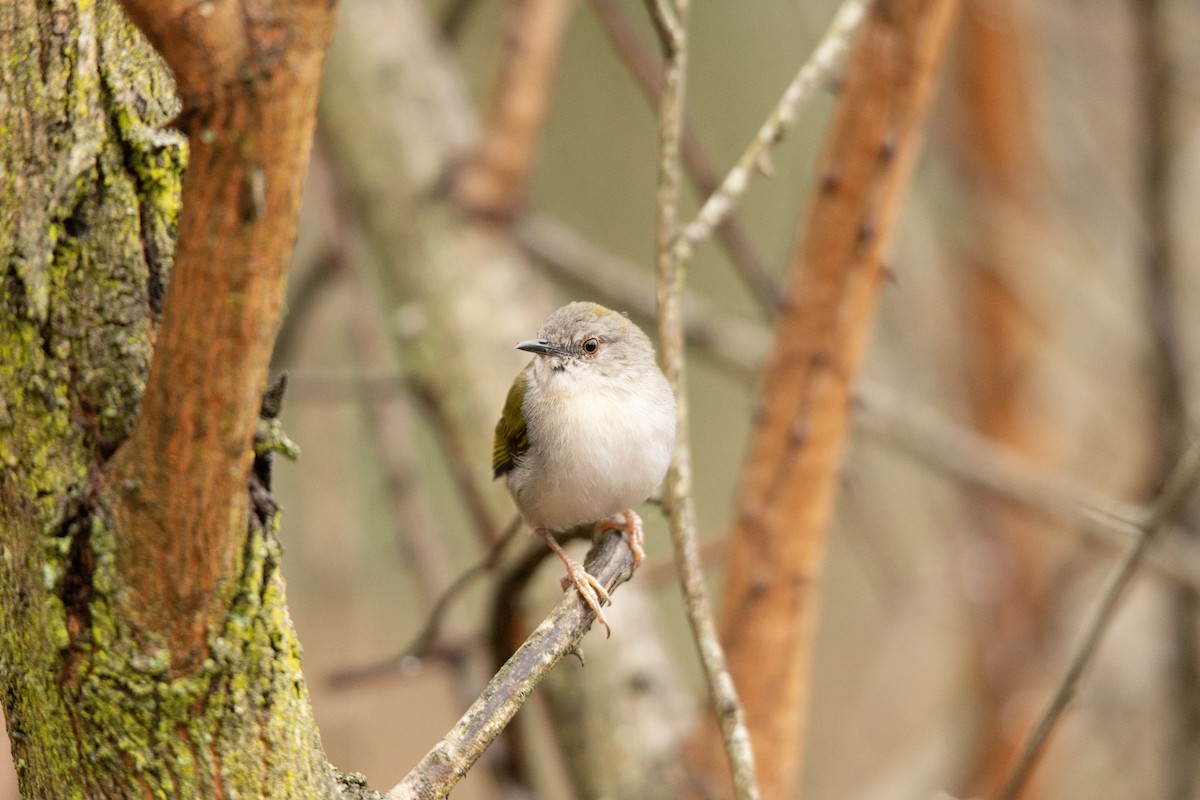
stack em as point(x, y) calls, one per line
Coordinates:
point(587, 340)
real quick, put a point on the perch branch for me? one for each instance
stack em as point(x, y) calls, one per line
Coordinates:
point(1174, 494)
point(678, 499)
point(559, 634)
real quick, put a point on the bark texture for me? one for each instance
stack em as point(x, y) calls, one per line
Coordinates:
point(776, 551)
point(111, 687)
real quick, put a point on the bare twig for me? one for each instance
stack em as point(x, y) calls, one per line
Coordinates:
point(1161, 273)
point(678, 499)
point(1154, 519)
point(429, 640)
point(756, 155)
point(668, 25)
point(923, 434)
point(747, 259)
point(560, 633)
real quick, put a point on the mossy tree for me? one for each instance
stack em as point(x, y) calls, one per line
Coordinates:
point(145, 644)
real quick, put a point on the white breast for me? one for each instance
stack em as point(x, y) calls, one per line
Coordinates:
point(602, 449)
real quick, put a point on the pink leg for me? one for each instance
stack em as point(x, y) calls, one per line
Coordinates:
point(593, 592)
point(632, 528)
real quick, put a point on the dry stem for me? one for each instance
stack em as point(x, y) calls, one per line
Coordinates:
point(679, 501)
point(757, 154)
point(1176, 491)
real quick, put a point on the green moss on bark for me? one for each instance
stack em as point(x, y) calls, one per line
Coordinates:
point(89, 208)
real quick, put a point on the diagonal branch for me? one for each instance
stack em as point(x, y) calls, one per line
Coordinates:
point(493, 182)
point(755, 158)
point(746, 258)
point(776, 552)
point(559, 634)
point(1178, 488)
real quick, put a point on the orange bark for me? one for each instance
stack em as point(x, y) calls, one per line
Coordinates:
point(493, 183)
point(1005, 343)
point(789, 484)
point(248, 77)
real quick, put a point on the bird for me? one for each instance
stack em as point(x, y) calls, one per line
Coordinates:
point(586, 433)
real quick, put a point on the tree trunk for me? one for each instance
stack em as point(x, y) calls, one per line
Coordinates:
point(100, 700)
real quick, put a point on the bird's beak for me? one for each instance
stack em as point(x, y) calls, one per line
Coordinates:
point(542, 347)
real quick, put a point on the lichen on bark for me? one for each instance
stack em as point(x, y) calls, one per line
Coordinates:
point(90, 179)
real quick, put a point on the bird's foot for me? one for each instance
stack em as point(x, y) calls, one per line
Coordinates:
point(590, 588)
point(631, 526)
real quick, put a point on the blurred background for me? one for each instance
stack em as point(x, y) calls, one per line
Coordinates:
point(1034, 364)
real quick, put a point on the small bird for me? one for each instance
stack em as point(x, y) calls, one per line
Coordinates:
point(586, 433)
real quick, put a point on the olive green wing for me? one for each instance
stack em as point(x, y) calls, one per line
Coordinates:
point(512, 438)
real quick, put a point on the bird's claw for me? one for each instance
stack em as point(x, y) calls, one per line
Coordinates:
point(591, 589)
point(631, 527)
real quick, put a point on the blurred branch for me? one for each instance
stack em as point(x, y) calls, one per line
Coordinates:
point(455, 17)
point(1156, 106)
point(922, 433)
point(678, 500)
point(399, 122)
point(731, 232)
point(757, 155)
point(429, 639)
point(1148, 523)
point(303, 296)
point(558, 634)
point(884, 415)
point(431, 400)
point(786, 499)
point(1006, 343)
point(494, 180)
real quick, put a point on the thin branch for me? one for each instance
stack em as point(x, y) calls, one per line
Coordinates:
point(906, 425)
point(1176, 491)
point(679, 500)
point(559, 634)
point(926, 436)
point(746, 258)
point(429, 639)
point(455, 17)
point(668, 25)
point(757, 154)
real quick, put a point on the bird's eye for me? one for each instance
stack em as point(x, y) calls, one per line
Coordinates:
point(591, 345)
